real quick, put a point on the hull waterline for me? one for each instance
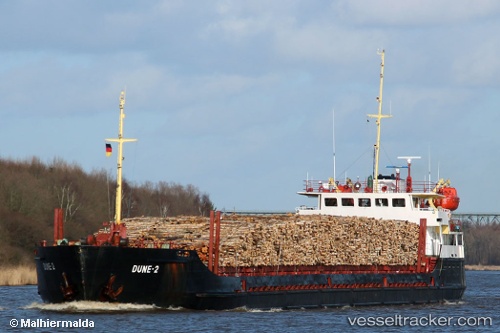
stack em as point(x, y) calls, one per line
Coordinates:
point(168, 277)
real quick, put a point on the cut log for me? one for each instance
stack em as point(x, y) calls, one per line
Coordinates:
point(247, 241)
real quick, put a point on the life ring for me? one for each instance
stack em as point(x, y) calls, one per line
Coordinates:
point(384, 188)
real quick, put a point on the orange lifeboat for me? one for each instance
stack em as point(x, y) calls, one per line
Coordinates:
point(345, 188)
point(451, 199)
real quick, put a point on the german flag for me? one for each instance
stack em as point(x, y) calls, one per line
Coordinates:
point(109, 150)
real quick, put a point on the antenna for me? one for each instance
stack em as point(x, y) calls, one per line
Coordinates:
point(429, 180)
point(396, 167)
point(333, 134)
point(408, 159)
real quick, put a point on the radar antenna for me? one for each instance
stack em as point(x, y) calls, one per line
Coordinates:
point(409, 185)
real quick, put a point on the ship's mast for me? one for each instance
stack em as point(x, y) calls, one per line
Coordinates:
point(120, 140)
point(378, 116)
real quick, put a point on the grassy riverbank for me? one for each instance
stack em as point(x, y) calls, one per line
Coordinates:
point(482, 268)
point(17, 276)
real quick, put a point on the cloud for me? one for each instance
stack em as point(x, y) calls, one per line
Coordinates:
point(422, 14)
point(478, 65)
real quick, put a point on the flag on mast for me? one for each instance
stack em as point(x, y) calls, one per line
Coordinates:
point(109, 150)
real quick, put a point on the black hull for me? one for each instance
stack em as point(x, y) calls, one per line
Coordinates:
point(178, 278)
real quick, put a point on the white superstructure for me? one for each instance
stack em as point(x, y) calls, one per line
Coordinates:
point(443, 238)
point(392, 198)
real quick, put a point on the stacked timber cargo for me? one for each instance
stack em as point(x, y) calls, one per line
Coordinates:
point(248, 241)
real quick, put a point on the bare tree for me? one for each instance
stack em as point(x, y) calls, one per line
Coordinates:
point(67, 201)
point(161, 197)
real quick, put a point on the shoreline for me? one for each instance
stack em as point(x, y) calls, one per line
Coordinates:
point(22, 275)
point(482, 268)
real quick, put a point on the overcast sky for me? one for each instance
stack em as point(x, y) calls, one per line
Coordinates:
point(237, 97)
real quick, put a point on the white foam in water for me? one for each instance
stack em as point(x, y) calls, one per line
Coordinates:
point(245, 309)
point(90, 306)
point(269, 310)
point(446, 302)
point(172, 308)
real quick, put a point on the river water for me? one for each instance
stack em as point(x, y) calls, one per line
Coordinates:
point(479, 311)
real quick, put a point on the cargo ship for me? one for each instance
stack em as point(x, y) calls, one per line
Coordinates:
point(385, 240)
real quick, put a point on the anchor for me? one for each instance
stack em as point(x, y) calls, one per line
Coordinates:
point(107, 293)
point(68, 290)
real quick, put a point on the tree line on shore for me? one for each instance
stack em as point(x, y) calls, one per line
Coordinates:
point(30, 190)
point(482, 243)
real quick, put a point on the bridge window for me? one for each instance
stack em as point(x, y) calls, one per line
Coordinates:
point(348, 202)
point(416, 203)
point(449, 240)
point(364, 202)
point(382, 202)
point(331, 202)
point(398, 202)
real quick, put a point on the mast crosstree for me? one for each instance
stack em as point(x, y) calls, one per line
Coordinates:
point(120, 140)
point(379, 117)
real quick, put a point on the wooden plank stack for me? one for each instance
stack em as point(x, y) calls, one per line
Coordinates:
point(282, 240)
